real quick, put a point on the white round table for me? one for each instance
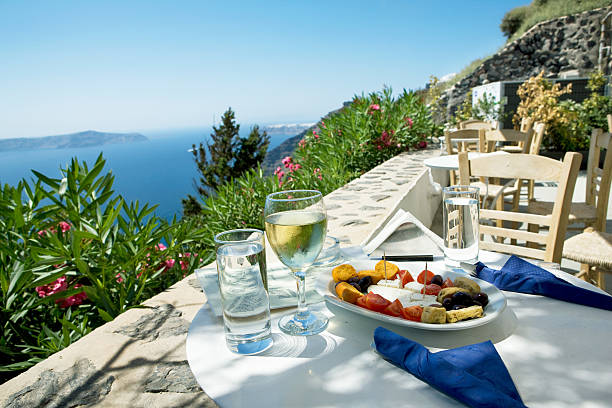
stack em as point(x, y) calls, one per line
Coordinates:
point(557, 353)
point(450, 162)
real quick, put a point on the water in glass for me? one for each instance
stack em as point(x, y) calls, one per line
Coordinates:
point(246, 306)
point(460, 227)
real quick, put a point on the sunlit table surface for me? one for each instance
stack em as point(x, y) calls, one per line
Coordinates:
point(451, 162)
point(559, 355)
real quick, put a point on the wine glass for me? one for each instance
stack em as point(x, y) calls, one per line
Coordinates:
point(296, 225)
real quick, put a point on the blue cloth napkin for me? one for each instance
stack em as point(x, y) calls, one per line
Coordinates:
point(474, 374)
point(518, 275)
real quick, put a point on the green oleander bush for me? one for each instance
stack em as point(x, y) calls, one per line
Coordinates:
point(74, 255)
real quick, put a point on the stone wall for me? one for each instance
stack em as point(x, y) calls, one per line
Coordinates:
point(563, 44)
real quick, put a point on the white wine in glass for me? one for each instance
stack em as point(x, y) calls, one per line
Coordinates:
point(296, 225)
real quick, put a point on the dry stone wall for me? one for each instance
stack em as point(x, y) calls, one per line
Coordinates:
point(563, 44)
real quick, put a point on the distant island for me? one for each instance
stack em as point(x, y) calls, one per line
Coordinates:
point(288, 129)
point(87, 138)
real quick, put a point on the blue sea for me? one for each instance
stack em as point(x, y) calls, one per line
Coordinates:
point(161, 171)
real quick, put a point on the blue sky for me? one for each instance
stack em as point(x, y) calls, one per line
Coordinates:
point(135, 65)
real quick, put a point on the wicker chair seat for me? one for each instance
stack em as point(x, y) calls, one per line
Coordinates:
point(493, 189)
point(579, 212)
point(512, 149)
point(590, 247)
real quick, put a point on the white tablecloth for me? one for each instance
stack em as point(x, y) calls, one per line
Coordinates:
point(559, 355)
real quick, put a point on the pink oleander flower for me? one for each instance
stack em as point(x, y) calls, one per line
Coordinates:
point(422, 144)
point(59, 285)
point(290, 179)
point(160, 247)
point(64, 226)
point(374, 107)
point(73, 300)
point(317, 172)
point(297, 167)
point(408, 122)
point(399, 145)
point(302, 143)
point(119, 278)
point(169, 263)
point(323, 123)
point(379, 147)
point(316, 135)
point(287, 161)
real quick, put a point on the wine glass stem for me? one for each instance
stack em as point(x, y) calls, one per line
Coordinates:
point(300, 279)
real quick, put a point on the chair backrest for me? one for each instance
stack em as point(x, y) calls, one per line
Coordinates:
point(598, 178)
point(526, 124)
point(468, 136)
point(527, 167)
point(489, 138)
point(476, 124)
point(609, 122)
point(538, 134)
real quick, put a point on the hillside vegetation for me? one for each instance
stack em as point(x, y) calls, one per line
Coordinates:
point(519, 20)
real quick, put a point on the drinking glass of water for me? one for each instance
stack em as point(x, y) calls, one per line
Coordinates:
point(296, 225)
point(246, 306)
point(246, 235)
point(460, 225)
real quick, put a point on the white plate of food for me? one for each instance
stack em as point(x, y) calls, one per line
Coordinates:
point(391, 288)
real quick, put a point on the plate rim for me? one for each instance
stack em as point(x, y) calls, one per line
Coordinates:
point(325, 281)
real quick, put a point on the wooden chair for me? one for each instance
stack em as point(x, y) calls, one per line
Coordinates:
point(476, 124)
point(594, 210)
point(465, 140)
point(539, 129)
point(526, 125)
point(526, 167)
point(491, 137)
point(609, 122)
point(496, 191)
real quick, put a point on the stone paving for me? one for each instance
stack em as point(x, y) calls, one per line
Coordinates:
point(139, 359)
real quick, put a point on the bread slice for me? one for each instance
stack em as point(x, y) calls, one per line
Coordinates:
point(433, 315)
point(453, 316)
point(467, 284)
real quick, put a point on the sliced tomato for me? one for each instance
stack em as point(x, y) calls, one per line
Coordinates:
point(394, 309)
point(447, 283)
point(412, 313)
point(376, 302)
point(432, 289)
point(361, 302)
point(405, 276)
point(421, 276)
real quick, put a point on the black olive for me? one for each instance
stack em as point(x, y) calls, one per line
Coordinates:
point(437, 280)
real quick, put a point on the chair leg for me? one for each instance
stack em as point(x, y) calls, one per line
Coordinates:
point(515, 206)
point(499, 205)
point(530, 188)
point(532, 228)
point(599, 277)
point(453, 177)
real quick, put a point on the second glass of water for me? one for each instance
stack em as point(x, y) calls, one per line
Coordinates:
point(461, 232)
point(246, 305)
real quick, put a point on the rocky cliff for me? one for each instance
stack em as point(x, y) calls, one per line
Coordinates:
point(569, 43)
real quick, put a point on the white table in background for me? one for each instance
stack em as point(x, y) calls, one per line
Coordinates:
point(451, 162)
point(557, 353)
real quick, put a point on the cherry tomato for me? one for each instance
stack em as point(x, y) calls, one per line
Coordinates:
point(361, 302)
point(412, 313)
point(376, 302)
point(447, 283)
point(421, 276)
point(405, 276)
point(432, 289)
point(394, 309)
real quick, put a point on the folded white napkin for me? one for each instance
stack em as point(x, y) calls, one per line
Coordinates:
point(403, 235)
